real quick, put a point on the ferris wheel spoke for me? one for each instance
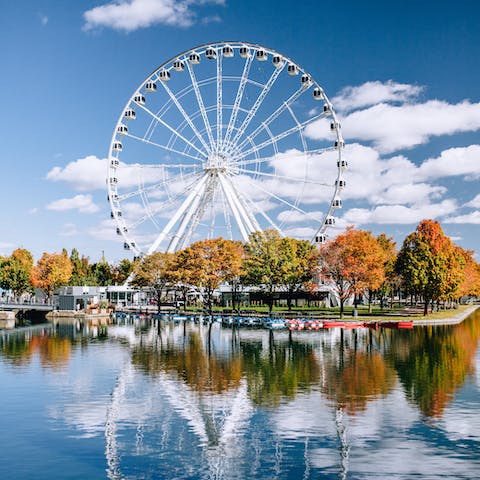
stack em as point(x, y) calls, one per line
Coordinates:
point(212, 213)
point(198, 214)
point(238, 99)
point(251, 220)
point(178, 214)
point(234, 209)
point(161, 207)
point(164, 166)
point(189, 218)
point(297, 128)
point(284, 106)
point(265, 216)
point(164, 147)
point(238, 204)
point(201, 104)
point(156, 186)
point(257, 104)
point(175, 132)
point(226, 215)
point(282, 200)
point(282, 177)
point(185, 116)
point(219, 100)
point(253, 161)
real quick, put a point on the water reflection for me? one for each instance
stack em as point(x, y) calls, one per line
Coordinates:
point(195, 400)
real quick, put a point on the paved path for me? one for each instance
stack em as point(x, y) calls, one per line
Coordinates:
point(458, 318)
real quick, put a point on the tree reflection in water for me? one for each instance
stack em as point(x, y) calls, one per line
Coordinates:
point(215, 380)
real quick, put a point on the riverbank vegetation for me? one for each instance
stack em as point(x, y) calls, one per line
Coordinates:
point(428, 269)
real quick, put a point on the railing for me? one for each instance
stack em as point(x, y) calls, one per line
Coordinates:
point(25, 306)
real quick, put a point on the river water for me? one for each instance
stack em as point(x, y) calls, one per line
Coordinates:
point(184, 400)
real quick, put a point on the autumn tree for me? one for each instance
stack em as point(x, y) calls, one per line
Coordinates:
point(51, 271)
point(15, 271)
point(470, 284)
point(155, 271)
point(429, 264)
point(354, 263)
point(208, 263)
point(391, 280)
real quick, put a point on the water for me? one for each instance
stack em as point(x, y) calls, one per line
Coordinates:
point(185, 401)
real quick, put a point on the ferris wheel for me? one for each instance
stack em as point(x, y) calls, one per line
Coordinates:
point(223, 140)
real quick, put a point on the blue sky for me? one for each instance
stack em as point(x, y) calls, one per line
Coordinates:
point(404, 80)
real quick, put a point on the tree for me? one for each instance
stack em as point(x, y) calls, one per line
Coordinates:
point(391, 281)
point(208, 263)
point(263, 263)
point(301, 259)
point(51, 271)
point(122, 271)
point(429, 264)
point(470, 285)
point(102, 273)
point(82, 271)
point(156, 272)
point(354, 263)
point(15, 271)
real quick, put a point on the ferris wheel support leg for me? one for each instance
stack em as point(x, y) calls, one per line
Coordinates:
point(245, 209)
point(178, 214)
point(233, 208)
point(194, 207)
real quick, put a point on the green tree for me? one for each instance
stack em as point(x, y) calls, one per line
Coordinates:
point(122, 271)
point(102, 273)
point(301, 259)
point(82, 273)
point(264, 265)
point(15, 272)
point(429, 264)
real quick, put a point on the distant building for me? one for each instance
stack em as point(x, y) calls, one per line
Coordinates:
point(78, 297)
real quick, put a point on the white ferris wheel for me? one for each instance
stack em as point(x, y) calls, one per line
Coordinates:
point(224, 140)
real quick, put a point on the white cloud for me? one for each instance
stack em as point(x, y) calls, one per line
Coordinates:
point(399, 214)
point(82, 203)
point(474, 203)
point(371, 93)
point(69, 230)
point(33, 211)
point(453, 162)
point(43, 20)
point(472, 218)
point(392, 128)
point(86, 173)
point(90, 173)
point(402, 125)
point(105, 230)
point(130, 15)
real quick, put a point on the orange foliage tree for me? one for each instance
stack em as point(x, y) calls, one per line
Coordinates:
point(51, 271)
point(210, 262)
point(470, 285)
point(354, 262)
